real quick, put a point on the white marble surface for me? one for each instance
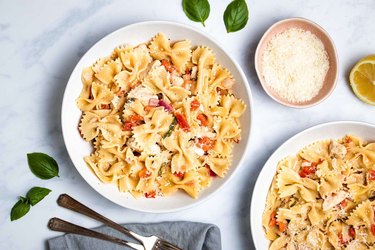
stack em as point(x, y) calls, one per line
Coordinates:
point(40, 43)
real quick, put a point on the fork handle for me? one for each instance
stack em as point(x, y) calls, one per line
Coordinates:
point(68, 202)
point(60, 225)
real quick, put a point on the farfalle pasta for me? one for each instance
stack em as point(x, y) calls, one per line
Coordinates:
point(161, 117)
point(323, 197)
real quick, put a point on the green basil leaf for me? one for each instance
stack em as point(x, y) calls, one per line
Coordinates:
point(37, 194)
point(236, 15)
point(196, 10)
point(19, 209)
point(43, 165)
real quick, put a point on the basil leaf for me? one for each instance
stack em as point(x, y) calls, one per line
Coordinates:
point(236, 15)
point(19, 209)
point(37, 194)
point(196, 10)
point(42, 165)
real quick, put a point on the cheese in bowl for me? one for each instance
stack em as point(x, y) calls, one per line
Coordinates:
point(323, 197)
point(295, 64)
point(161, 117)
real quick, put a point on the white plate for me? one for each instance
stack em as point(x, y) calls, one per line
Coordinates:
point(329, 130)
point(78, 148)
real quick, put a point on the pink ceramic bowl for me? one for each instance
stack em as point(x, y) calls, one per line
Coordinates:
point(332, 74)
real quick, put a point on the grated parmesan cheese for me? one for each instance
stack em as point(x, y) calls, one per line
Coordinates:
point(294, 65)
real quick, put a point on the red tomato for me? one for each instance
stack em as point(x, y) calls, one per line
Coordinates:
point(272, 219)
point(221, 91)
point(352, 232)
point(104, 106)
point(212, 173)
point(344, 203)
point(341, 238)
point(348, 139)
point(373, 229)
point(148, 108)
point(150, 194)
point(305, 171)
point(144, 173)
point(136, 119)
point(194, 105)
point(168, 65)
point(282, 226)
point(206, 143)
point(371, 175)
point(127, 126)
point(179, 174)
point(203, 119)
point(182, 122)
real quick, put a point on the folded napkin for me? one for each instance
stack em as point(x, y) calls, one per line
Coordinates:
point(186, 235)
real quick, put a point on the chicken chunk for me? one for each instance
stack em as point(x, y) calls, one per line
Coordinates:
point(337, 150)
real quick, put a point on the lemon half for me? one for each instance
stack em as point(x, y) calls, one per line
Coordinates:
point(362, 79)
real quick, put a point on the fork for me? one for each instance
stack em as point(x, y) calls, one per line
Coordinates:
point(149, 242)
point(57, 224)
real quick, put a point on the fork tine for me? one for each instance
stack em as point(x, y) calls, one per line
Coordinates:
point(168, 246)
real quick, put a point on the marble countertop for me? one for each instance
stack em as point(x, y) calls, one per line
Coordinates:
point(41, 42)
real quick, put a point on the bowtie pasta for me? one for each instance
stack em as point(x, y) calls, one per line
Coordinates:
point(161, 117)
point(323, 198)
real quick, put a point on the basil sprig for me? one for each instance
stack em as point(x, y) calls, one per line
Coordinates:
point(37, 194)
point(19, 209)
point(22, 206)
point(43, 165)
point(196, 10)
point(236, 15)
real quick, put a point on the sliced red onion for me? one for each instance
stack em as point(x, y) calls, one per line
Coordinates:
point(165, 105)
point(153, 102)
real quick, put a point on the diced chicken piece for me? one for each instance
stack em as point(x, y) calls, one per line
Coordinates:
point(154, 149)
point(197, 151)
point(87, 75)
point(133, 145)
point(150, 66)
point(194, 73)
point(306, 164)
point(176, 80)
point(205, 132)
point(313, 238)
point(228, 83)
point(355, 178)
point(333, 199)
point(143, 94)
point(337, 150)
point(116, 101)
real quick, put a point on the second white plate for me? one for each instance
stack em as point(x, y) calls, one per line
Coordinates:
point(329, 130)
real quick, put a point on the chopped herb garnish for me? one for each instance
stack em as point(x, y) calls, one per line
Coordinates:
point(130, 100)
point(161, 169)
point(171, 128)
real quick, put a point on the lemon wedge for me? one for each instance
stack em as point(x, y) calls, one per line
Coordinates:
point(362, 79)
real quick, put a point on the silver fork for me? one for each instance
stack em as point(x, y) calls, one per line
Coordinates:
point(149, 242)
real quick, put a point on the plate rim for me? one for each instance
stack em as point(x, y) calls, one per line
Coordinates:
point(244, 80)
point(263, 170)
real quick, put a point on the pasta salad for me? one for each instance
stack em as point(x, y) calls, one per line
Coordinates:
point(161, 117)
point(323, 197)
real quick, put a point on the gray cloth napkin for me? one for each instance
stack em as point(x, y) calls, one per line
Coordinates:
point(186, 235)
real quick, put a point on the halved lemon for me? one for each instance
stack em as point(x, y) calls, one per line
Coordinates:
point(362, 79)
